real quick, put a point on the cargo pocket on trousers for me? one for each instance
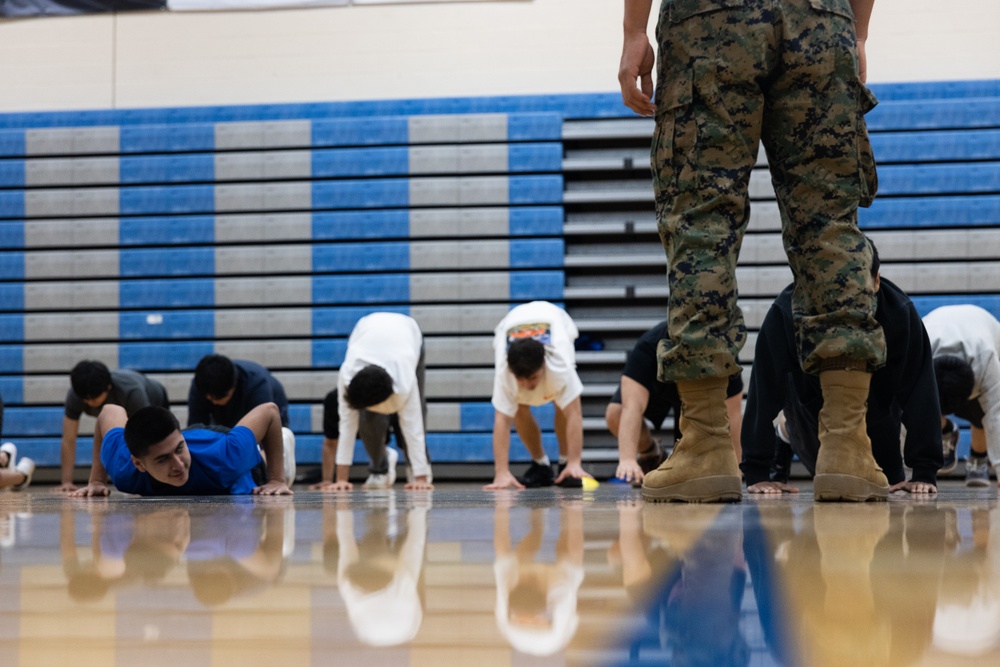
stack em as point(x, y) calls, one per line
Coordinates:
point(674, 145)
point(678, 10)
point(838, 7)
point(866, 158)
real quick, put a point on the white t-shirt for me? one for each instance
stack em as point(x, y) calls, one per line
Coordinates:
point(554, 328)
point(971, 333)
point(392, 341)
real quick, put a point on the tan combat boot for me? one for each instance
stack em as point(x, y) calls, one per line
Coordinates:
point(845, 467)
point(702, 468)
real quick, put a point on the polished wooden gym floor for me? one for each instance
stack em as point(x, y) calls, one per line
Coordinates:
point(459, 576)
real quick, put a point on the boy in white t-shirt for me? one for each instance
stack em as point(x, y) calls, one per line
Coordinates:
point(380, 386)
point(535, 365)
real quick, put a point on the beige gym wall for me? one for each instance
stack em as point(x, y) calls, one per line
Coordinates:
point(155, 59)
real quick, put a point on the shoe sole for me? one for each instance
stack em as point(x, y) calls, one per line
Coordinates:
point(715, 489)
point(830, 487)
point(536, 485)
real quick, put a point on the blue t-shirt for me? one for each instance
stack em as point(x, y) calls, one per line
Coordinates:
point(221, 464)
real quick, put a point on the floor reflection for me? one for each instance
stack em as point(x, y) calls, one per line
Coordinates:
point(459, 577)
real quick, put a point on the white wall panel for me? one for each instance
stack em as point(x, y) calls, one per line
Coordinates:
point(153, 59)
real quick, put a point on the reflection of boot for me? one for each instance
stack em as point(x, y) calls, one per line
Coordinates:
point(702, 468)
point(845, 467)
point(848, 630)
point(679, 528)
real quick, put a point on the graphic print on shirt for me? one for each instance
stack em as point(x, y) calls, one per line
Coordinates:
point(540, 331)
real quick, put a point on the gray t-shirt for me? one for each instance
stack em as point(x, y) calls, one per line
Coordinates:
point(130, 389)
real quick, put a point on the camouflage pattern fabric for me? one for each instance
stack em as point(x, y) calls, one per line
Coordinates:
point(730, 74)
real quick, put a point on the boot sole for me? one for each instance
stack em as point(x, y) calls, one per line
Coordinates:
point(832, 487)
point(716, 489)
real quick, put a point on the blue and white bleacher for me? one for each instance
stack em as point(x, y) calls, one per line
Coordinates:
point(157, 235)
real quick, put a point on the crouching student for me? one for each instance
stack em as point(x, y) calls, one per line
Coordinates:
point(147, 454)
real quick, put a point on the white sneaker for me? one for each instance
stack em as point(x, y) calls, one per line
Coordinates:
point(27, 467)
point(380, 481)
point(10, 449)
point(977, 471)
point(288, 443)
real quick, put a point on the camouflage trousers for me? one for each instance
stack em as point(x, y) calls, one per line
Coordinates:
point(733, 73)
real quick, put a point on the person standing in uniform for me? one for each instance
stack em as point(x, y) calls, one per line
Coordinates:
point(730, 74)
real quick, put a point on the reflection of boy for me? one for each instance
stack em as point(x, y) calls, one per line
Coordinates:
point(90, 580)
point(234, 550)
point(536, 606)
point(379, 576)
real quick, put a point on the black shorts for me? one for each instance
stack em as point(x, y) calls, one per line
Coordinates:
point(972, 412)
point(660, 404)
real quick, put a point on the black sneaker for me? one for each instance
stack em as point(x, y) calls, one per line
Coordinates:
point(569, 482)
point(537, 475)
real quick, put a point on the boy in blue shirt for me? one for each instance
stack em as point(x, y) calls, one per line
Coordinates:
point(147, 454)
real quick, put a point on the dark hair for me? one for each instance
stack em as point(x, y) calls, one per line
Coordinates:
point(370, 386)
point(90, 379)
point(955, 382)
point(525, 357)
point(215, 375)
point(148, 426)
point(876, 264)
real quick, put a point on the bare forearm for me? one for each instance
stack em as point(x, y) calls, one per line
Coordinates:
point(501, 443)
point(629, 429)
point(574, 442)
point(67, 451)
point(862, 14)
point(264, 421)
point(274, 449)
point(98, 474)
point(343, 473)
point(328, 461)
point(637, 16)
